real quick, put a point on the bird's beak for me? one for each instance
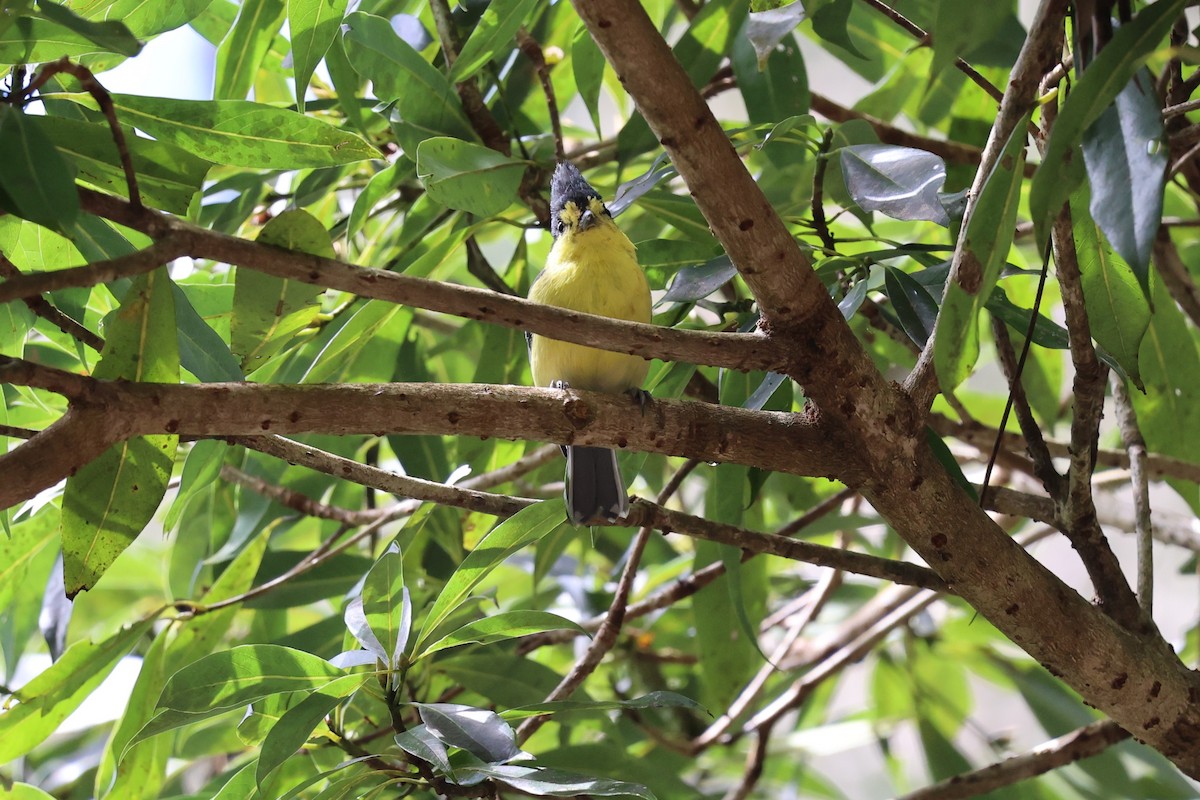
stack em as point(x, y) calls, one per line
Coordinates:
point(586, 220)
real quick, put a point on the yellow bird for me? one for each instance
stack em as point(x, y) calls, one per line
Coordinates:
point(592, 268)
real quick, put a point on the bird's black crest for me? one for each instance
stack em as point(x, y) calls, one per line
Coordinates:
point(567, 185)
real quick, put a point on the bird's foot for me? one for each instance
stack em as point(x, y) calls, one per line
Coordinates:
point(641, 397)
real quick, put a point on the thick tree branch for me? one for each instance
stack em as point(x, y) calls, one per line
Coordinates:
point(1136, 679)
point(776, 441)
point(55, 454)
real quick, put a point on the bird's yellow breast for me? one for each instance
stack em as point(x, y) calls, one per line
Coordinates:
point(594, 271)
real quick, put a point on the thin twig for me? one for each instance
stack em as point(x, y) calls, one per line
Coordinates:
point(821, 509)
point(49, 312)
point(1077, 506)
point(477, 265)
point(839, 660)
point(468, 91)
point(610, 629)
point(297, 501)
point(819, 595)
point(755, 760)
point(1081, 743)
point(982, 436)
point(922, 36)
point(104, 100)
point(1175, 274)
point(818, 193)
point(533, 51)
point(1014, 368)
point(1135, 445)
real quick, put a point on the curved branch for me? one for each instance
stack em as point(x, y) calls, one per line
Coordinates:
point(741, 351)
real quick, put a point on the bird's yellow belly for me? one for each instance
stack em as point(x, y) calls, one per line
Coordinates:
point(597, 276)
point(586, 367)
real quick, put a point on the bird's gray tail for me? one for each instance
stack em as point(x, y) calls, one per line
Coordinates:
point(595, 492)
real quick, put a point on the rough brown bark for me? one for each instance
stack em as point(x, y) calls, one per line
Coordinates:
point(1136, 679)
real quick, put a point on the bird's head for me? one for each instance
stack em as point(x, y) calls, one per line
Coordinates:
point(574, 205)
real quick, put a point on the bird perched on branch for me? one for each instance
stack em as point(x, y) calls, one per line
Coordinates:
point(592, 268)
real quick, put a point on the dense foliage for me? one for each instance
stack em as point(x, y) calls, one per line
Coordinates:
point(329, 590)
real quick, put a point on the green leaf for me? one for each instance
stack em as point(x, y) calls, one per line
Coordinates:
point(15, 321)
point(382, 184)
point(1105, 78)
point(499, 627)
point(1126, 160)
point(44, 702)
point(525, 527)
point(167, 176)
point(832, 23)
point(420, 742)
point(387, 607)
point(541, 782)
point(986, 239)
point(313, 25)
point(241, 786)
point(587, 64)
point(27, 539)
point(202, 351)
point(901, 182)
point(1118, 309)
point(35, 182)
point(242, 51)
point(268, 312)
point(696, 283)
point(194, 637)
point(482, 733)
point(296, 725)
point(468, 177)
point(108, 502)
point(112, 35)
point(23, 791)
point(725, 642)
point(232, 678)
point(766, 29)
point(239, 133)
point(138, 774)
point(145, 18)
point(774, 88)
point(200, 469)
point(915, 307)
point(426, 102)
point(959, 28)
point(34, 40)
point(949, 462)
point(494, 32)
point(1169, 412)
